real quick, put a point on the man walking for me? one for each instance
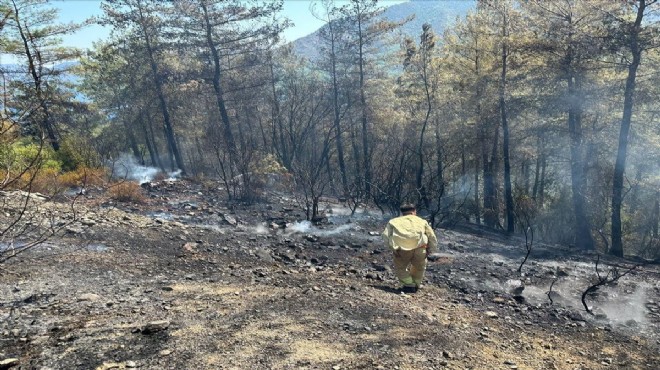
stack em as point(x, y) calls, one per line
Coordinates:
point(411, 239)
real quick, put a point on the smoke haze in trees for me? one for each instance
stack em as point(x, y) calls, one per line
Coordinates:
point(127, 167)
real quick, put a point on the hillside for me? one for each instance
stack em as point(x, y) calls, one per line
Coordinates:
point(437, 13)
point(189, 281)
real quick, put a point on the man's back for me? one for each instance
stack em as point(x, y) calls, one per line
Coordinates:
point(408, 232)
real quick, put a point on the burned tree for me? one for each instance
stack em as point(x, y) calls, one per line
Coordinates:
point(612, 276)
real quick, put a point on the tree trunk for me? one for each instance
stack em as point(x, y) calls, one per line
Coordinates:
point(337, 117)
point(278, 128)
point(218, 90)
point(132, 142)
point(463, 184)
point(439, 162)
point(477, 210)
point(427, 115)
point(147, 141)
point(366, 157)
point(356, 152)
point(153, 141)
point(45, 121)
point(620, 166)
point(656, 215)
point(510, 220)
point(537, 188)
point(490, 167)
point(541, 194)
point(583, 237)
point(169, 130)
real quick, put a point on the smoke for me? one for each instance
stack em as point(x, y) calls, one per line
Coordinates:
point(261, 229)
point(127, 167)
point(306, 227)
point(300, 227)
point(342, 215)
point(97, 247)
point(622, 307)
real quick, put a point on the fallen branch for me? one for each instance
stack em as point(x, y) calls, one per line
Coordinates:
point(549, 292)
point(612, 276)
point(529, 243)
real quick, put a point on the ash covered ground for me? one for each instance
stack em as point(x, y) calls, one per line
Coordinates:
point(189, 281)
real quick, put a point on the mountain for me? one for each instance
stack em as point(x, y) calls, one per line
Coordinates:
point(438, 13)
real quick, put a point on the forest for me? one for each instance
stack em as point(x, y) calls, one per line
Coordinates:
point(526, 115)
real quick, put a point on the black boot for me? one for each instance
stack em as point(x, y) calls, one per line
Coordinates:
point(409, 289)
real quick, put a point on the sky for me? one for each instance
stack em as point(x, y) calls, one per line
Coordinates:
point(79, 10)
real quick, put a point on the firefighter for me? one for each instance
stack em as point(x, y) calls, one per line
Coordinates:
point(411, 240)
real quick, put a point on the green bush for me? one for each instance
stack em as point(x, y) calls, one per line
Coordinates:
point(23, 153)
point(76, 152)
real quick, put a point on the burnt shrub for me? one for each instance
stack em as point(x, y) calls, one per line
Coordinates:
point(127, 191)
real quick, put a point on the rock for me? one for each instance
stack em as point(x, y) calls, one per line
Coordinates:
point(287, 256)
point(31, 195)
point(229, 220)
point(433, 257)
point(108, 366)
point(576, 316)
point(88, 297)
point(190, 247)
point(8, 363)
point(438, 256)
point(554, 295)
point(73, 230)
point(500, 300)
point(264, 254)
point(155, 326)
point(131, 364)
point(317, 220)
point(491, 314)
point(88, 222)
point(165, 352)
point(312, 238)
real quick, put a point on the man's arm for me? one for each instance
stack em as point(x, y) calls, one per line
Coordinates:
point(433, 240)
point(387, 236)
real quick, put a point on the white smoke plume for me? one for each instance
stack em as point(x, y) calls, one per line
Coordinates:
point(127, 167)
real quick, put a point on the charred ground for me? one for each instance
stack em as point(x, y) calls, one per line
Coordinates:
point(189, 281)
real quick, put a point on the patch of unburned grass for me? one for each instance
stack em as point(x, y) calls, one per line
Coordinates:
point(317, 351)
point(195, 330)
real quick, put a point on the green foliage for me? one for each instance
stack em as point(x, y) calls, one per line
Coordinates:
point(23, 154)
point(429, 130)
point(76, 152)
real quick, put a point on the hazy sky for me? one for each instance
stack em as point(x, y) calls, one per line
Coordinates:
point(79, 10)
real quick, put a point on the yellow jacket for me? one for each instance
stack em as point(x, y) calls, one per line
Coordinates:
point(409, 232)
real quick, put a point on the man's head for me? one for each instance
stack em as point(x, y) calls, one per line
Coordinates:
point(408, 209)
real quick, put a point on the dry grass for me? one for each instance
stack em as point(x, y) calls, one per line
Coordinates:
point(84, 176)
point(127, 191)
point(43, 181)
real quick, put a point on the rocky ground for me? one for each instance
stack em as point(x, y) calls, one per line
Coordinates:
point(187, 281)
